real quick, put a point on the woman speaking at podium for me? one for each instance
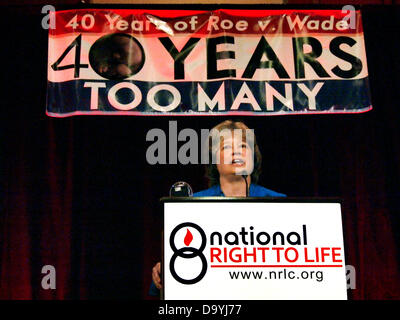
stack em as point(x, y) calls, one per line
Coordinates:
point(234, 173)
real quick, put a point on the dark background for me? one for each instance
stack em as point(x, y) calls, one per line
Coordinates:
point(78, 194)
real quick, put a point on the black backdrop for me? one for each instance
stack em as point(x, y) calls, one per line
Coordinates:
point(78, 194)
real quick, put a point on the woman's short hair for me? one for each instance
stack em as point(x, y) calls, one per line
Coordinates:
point(211, 169)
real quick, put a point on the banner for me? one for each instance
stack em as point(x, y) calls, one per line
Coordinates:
point(222, 62)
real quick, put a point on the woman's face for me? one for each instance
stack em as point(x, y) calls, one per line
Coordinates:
point(235, 157)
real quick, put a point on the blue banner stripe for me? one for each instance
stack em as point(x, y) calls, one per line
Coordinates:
point(333, 96)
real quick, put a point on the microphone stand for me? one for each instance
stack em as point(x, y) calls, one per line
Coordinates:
point(247, 186)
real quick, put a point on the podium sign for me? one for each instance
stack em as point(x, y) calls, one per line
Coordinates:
point(241, 249)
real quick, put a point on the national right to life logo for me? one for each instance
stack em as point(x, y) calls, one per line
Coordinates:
point(188, 265)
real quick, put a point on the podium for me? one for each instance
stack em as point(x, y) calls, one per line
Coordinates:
point(217, 248)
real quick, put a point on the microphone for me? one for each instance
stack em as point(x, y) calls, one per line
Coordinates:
point(181, 189)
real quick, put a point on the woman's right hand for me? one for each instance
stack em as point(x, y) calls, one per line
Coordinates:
point(156, 272)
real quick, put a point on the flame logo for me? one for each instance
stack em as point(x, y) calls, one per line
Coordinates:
point(187, 252)
point(188, 237)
